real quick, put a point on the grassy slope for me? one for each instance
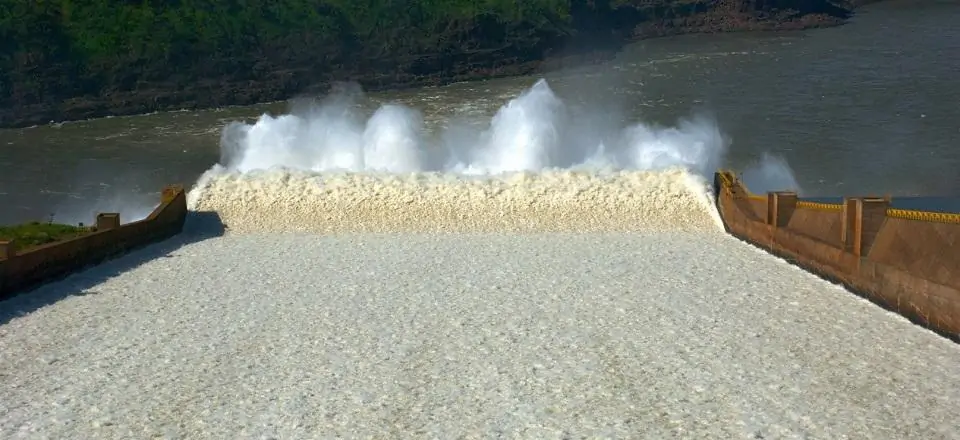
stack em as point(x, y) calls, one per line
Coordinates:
point(34, 234)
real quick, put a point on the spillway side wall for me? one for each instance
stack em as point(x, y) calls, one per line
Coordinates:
point(22, 271)
point(906, 261)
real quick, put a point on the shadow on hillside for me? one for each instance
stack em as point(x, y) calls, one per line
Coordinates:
point(199, 226)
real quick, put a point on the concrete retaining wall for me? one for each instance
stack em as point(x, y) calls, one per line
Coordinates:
point(907, 261)
point(21, 271)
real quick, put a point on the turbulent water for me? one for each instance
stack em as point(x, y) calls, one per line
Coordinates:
point(654, 324)
point(859, 109)
point(532, 168)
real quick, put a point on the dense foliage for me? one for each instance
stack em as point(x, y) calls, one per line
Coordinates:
point(82, 58)
point(104, 29)
point(102, 36)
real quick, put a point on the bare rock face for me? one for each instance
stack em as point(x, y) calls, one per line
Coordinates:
point(672, 18)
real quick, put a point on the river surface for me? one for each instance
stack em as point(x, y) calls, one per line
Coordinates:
point(866, 108)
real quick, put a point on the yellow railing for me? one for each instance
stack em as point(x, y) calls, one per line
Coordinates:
point(728, 180)
point(832, 207)
point(924, 216)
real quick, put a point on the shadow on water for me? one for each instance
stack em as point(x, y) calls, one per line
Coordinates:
point(199, 226)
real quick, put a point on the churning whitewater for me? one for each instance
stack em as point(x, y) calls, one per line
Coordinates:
point(643, 330)
point(331, 168)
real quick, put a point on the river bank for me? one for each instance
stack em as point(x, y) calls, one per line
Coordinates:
point(45, 84)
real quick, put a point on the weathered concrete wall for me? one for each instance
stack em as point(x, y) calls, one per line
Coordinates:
point(21, 271)
point(907, 261)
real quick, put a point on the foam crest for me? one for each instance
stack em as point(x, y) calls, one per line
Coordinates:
point(538, 165)
point(549, 201)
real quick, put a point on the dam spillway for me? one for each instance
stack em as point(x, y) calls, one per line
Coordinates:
point(596, 330)
point(341, 276)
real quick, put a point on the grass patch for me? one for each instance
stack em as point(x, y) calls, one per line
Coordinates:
point(33, 234)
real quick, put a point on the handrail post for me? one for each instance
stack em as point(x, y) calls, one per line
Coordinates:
point(873, 215)
point(850, 231)
point(862, 218)
point(107, 221)
point(780, 207)
point(8, 249)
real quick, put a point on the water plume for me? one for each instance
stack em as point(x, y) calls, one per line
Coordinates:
point(538, 164)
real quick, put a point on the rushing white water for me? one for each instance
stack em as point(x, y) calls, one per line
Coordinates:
point(302, 170)
point(530, 133)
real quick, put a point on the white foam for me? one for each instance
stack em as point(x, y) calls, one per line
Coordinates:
point(523, 336)
point(288, 200)
point(537, 165)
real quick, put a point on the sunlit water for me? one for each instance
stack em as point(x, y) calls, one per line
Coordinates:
point(870, 107)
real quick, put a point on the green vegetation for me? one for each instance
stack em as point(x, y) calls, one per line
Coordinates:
point(34, 234)
point(104, 41)
point(65, 59)
point(103, 31)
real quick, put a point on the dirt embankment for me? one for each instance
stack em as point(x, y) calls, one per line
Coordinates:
point(53, 73)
